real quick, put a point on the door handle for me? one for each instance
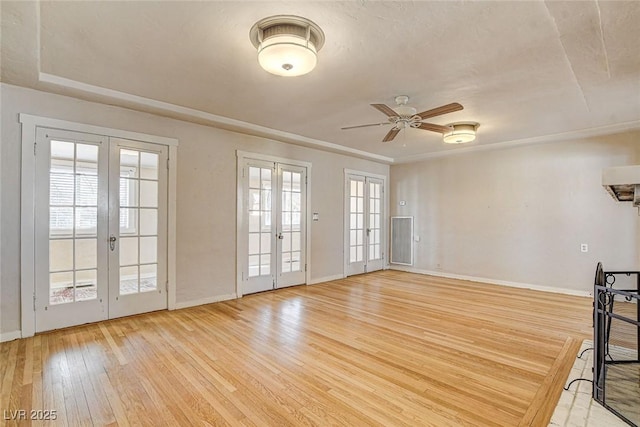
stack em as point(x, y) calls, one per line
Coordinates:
point(280, 236)
point(112, 242)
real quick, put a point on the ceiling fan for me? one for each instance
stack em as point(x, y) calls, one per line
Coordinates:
point(403, 116)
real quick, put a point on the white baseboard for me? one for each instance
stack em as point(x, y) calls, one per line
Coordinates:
point(326, 279)
point(203, 301)
point(564, 291)
point(10, 336)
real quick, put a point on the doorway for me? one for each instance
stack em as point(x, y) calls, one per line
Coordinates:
point(100, 241)
point(364, 223)
point(272, 227)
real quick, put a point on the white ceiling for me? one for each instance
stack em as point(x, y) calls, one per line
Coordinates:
point(523, 70)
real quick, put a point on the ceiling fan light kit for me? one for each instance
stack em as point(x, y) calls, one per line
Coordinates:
point(461, 133)
point(287, 45)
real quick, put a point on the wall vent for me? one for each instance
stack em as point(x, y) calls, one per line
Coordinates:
point(402, 240)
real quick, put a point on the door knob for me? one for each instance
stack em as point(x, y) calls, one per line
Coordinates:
point(280, 236)
point(112, 242)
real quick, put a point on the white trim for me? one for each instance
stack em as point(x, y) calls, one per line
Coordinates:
point(346, 222)
point(242, 157)
point(307, 226)
point(240, 248)
point(172, 226)
point(203, 301)
point(364, 174)
point(27, 207)
point(27, 227)
point(327, 279)
point(211, 119)
point(555, 137)
point(551, 289)
point(10, 336)
point(48, 122)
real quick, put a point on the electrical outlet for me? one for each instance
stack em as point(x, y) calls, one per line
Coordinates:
point(584, 247)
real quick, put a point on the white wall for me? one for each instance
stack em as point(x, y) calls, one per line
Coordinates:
point(520, 214)
point(206, 194)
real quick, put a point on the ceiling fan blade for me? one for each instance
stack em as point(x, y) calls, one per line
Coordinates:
point(434, 128)
point(449, 108)
point(385, 109)
point(364, 126)
point(390, 135)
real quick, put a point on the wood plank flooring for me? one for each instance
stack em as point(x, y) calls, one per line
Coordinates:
point(387, 348)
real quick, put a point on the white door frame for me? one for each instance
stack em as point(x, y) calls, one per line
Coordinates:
point(241, 245)
point(27, 206)
point(384, 219)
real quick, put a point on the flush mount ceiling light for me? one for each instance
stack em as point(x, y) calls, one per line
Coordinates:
point(460, 133)
point(287, 45)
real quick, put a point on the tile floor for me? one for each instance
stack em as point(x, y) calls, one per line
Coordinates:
point(576, 408)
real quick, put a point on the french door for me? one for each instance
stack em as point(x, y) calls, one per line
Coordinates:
point(137, 227)
point(274, 214)
point(100, 221)
point(364, 202)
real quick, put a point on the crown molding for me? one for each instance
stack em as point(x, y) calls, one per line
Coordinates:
point(556, 137)
point(197, 116)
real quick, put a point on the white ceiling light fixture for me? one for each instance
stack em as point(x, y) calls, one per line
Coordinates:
point(461, 133)
point(287, 45)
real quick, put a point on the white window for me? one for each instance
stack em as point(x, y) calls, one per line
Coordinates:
point(63, 189)
point(69, 189)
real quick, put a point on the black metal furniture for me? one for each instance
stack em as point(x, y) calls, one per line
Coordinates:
point(616, 361)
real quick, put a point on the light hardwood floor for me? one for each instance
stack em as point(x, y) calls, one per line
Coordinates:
point(387, 348)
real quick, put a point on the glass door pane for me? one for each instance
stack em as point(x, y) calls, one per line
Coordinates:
point(138, 221)
point(73, 222)
point(374, 226)
point(291, 194)
point(260, 228)
point(356, 220)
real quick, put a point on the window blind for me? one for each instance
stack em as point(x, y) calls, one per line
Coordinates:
point(64, 184)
